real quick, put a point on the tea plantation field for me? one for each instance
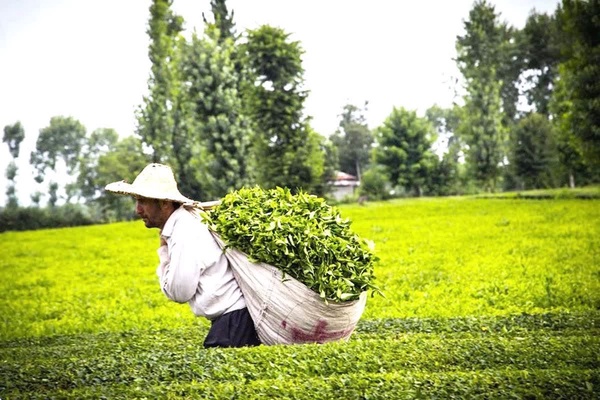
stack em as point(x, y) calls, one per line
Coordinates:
point(484, 298)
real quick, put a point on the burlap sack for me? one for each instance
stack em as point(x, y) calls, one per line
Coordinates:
point(284, 310)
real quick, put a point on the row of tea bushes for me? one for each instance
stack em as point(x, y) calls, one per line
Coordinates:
point(572, 384)
point(551, 356)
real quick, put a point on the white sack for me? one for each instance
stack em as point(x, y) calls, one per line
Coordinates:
point(284, 310)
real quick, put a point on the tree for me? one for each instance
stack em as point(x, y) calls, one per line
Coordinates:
point(540, 42)
point(404, 149)
point(330, 164)
point(353, 141)
point(100, 142)
point(480, 55)
point(445, 122)
point(573, 169)
point(11, 192)
point(52, 194)
point(312, 168)
point(444, 180)
point(493, 46)
point(218, 130)
point(375, 183)
point(533, 152)
point(155, 119)
point(223, 21)
point(482, 131)
point(62, 140)
point(580, 25)
point(13, 136)
point(36, 197)
point(508, 70)
point(283, 152)
point(124, 161)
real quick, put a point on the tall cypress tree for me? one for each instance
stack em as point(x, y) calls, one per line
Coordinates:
point(221, 132)
point(285, 150)
point(13, 136)
point(540, 42)
point(155, 117)
point(580, 25)
point(480, 55)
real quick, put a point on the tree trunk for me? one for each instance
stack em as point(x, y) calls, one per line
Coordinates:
point(357, 171)
point(571, 180)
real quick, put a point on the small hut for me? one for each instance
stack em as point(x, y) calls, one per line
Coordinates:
point(343, 185)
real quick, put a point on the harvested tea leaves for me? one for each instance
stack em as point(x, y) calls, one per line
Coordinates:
point(301, 235)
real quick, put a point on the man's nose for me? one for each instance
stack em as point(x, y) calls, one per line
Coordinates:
point(138, 207)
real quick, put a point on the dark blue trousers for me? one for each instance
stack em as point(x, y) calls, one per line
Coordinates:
point(234, 329)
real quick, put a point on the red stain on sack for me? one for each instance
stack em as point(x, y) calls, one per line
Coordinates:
point(318, 335)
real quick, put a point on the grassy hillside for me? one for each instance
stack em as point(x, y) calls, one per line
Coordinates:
point(484, 298)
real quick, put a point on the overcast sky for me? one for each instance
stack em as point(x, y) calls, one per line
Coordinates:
point(88, 59)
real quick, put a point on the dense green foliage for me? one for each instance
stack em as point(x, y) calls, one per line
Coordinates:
point(123, 162)
point(404, 150)
point(301, 235)
point(540, 42)
point(485, 298)
point(286, 150)
point(534, 152)
point(223, 133)
point(30, 218)
point(580, 24)
point(460, 357)
point(155, 120)
point(226, 111)
point(62, 140)
point(481, 52)
point(13, 136)
point(590, 192)
point(353, 141)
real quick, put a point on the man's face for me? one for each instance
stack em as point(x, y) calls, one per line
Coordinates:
point(153, 212)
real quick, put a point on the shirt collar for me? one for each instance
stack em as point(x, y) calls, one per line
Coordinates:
point(167, 230)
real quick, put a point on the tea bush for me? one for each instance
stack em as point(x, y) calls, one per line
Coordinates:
point(484, 298)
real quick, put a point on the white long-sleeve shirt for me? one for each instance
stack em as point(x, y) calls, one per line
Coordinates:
point(193, 268)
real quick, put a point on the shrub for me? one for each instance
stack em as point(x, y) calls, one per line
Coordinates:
point(32, 218)
point(374, 184)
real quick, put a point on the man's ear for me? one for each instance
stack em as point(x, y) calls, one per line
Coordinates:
point(165, 204)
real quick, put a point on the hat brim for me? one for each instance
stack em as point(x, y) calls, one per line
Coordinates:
point(125, 188)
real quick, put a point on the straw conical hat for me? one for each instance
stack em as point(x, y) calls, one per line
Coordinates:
point(156, 181)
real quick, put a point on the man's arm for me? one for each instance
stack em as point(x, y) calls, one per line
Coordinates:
point(180, 262)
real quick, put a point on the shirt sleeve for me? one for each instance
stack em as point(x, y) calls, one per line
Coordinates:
point(184, 260)
point(163, 256)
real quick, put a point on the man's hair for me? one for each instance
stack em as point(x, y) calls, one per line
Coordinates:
point(176, 205)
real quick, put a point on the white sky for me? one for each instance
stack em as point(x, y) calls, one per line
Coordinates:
point(88, 59)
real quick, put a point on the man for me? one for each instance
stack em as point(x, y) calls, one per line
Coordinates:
point(192, 267)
